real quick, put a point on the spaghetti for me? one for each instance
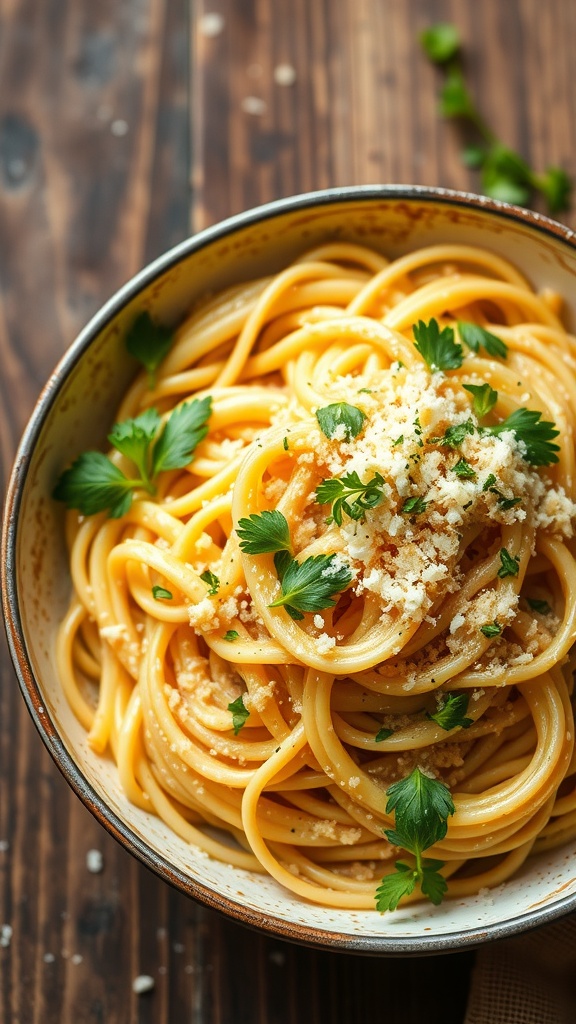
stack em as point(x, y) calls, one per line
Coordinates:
point(265, 726)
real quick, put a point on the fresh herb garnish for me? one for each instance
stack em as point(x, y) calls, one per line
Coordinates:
point(148, 343)
point(212, 582)
point(264, 532)
point(398, 440)
point(422, 807)
point(240, 714)
point(339, 493)
point(464, 470)
point(414, 506)
point(504, 173)
point(94, 484)
point(489, 482)
point(308, 586)
point(161, 594)
point(440, 42)
point(383, 734)
point(454, 436)
point(331, 417)
point(539, 606)
point(509, 566)
point(230, 635)
point(484, 398)
point(451, 712)
point(534, 433)
point(491, 629)
point(186, 427)
point(437, 347)
point(285, 443)
point(477, 337)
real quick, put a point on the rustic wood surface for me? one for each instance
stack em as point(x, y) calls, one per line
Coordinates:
point(124, 124)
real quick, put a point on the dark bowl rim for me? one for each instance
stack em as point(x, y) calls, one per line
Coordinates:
point(385, 945)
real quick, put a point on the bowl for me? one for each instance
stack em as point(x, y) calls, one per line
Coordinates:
point(73, 413)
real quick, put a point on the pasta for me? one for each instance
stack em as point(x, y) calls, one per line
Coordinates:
point(264, 726)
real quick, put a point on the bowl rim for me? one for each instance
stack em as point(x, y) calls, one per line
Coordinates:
point(385, 945)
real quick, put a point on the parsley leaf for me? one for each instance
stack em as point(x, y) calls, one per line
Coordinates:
point(94, 484)
point(491, 629)
point(509, 566)
point(489, 482)
point(437, 347)
point(451, 712)
point(477, 337)
point(338, 492)
point(383, 734)
point(230, 635)
point(433, 884)
point(395, 886)
point(331, 417)
point(308, 586)
point(240, 714)
point(535, 434)
point(264, 532)
point(422, 806)
point(161, 594)
point(148, 343)
point(186, 427)
point(539, 606)
point(212, 581)
point(464, 470)
point(414, 506)
point(134, 437)
point(454, 436)
point(484, 398)
point(440, 42)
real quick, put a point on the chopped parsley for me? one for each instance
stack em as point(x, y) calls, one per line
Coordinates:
point(539, 606)
point(414, 506)
point(509, 566)
point(491, 629)
point(451, 712)
point(161, 594)
point(383, 734)
point(331, 417)
point(464, 469)
point(212, 582)
point(230, 635)
point(484, 398)
point(240, 714)
point(454, 436)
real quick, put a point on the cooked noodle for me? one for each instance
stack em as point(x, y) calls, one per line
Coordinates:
point(300, 791)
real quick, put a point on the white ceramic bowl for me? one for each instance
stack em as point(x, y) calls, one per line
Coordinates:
point(73, 413)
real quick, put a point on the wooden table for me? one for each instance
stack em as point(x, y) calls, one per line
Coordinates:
point(124, 126)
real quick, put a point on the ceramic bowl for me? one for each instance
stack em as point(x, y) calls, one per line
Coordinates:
point(73, 413)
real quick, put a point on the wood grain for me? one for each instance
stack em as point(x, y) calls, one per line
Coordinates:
point(122, 125)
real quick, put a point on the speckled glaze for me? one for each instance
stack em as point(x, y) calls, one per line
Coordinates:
point(73, 412)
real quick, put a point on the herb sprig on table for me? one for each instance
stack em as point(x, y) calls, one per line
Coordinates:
point(504, 174)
